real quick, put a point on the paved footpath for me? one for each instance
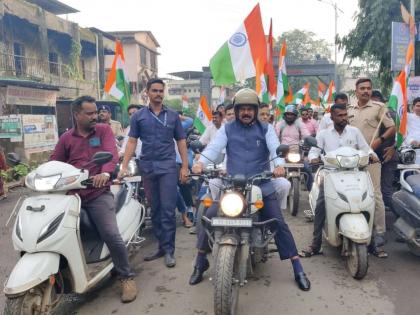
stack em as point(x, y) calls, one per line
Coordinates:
point(391, 286)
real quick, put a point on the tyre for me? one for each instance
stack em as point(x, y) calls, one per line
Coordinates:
point(357, 260)
point(294, 196)
point(30, 303)
point(226, 291)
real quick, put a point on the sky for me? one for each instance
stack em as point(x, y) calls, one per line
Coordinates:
point(191, 31)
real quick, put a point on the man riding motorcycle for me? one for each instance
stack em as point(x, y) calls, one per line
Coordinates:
point(340, 134)
point(249, 144)
point(290, 131)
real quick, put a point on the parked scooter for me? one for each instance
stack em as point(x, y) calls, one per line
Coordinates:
point(61, 251)
point(349, 203)
point(406, 201)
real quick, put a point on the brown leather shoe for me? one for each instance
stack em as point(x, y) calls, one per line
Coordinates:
point(128, 290)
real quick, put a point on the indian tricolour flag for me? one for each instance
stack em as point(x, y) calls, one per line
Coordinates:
point(282, 81)
point(236, 60)
point(117, 84)
point(299, 96)
point(398, 99)
point(260, 82)
point(329, 95)
point(203, 117)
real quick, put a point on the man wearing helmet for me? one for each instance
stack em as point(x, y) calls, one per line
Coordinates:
point(290, 131)
point(249, 145)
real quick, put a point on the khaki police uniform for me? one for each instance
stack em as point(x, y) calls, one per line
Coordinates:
point(367, 119)
point(116, 127)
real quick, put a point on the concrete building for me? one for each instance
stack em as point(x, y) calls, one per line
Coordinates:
point(141, 56)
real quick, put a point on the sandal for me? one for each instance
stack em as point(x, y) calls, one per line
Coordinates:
point(306, 253)
point(379, 252)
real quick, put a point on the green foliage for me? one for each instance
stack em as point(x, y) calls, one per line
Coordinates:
point(370, 40)
point(73, 69)
point(15, 173)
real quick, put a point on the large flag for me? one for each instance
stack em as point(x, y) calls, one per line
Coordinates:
point(117, 84)
point(329, 95)
point(236, 60)
point(269, 68)
point(321, 91)
point(398, 99)
point(282, 81)
point(299, 96)
point(203, 117)
point(307, 101)
point(260, 83)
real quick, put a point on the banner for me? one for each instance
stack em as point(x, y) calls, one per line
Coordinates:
point(17, 95)
point(10, 127)
point(39, 132)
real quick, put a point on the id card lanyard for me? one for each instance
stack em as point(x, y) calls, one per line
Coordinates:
point(164, 122)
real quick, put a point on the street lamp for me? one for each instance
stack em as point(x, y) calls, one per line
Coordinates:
point(336, 9)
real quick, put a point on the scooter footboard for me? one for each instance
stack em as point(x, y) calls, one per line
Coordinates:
point(31, 270)
point(355, 227)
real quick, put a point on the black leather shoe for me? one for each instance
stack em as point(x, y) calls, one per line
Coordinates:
point(170, 260)
point(154, 256)
point(197, 275)
point(302, 281)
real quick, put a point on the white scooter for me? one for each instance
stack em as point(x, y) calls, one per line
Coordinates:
point(349, 203)
point(61, 251)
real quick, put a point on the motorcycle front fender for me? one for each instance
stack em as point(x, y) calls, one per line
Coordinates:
point(229, 240)
point(31, 270)
point(355, 227)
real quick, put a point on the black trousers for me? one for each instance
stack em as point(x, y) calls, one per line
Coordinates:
point(284, 239)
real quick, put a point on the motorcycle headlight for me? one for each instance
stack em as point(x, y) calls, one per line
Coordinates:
point(232, 204)
point(293, 157)
point(46, 183)
point(348, 161)
point(66, 181)
point(50, 228)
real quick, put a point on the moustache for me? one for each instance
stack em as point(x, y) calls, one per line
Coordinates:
point(246, 116)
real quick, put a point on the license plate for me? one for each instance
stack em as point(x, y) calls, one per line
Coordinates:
point(231, 222)
point(292, 165)
point(408, 166)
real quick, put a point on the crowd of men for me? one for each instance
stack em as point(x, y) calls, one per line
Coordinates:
point(156, 136)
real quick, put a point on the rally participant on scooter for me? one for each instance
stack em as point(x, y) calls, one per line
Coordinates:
point(76, 147)
point(290, 131)
point(338, 135)
point(281, 184)
point(249, 144)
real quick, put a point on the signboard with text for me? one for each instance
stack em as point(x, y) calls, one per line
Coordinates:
point(413, 89)
point(10, 127)
point(39, 132)
point(400, 36)
point(17, 95)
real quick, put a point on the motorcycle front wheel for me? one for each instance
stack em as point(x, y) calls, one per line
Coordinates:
point(226, 287)
point(294, 196)
point(41, 299)
point(357, 260)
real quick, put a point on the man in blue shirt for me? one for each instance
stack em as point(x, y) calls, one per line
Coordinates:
point(249, 144)
point(157, 126)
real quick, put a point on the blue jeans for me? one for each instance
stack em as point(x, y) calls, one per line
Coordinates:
point(307, 169)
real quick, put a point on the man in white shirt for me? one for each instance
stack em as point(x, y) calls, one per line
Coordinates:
point(413, 128)
point(211, 130)
point(336, 136)
point(326, 122)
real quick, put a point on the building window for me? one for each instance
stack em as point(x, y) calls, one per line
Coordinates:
point(153, 61)
point(83, 70)
point(143, 57)
point(19, 55)
point(53, 62)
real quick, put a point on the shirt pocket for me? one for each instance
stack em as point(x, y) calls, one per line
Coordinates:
point(372, 123)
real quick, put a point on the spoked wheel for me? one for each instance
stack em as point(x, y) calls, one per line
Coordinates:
point(294, 196)
point(41, 299)
point(226, 288)
point(357, 260)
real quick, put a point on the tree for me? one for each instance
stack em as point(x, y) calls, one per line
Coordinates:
point(372, 36)
point(303, 46)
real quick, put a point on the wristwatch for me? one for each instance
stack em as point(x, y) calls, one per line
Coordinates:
point(106, 174)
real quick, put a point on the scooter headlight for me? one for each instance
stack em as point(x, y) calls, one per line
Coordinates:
point(348, 161)
point(66, 181)
point(46, 183)
point(232, 204)
point(50, 228)
point(293, 157)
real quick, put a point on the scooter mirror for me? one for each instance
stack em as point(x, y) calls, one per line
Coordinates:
point(197, 146)
point(310, 142)
point(13, 159)
point(101, 158)
point(282, 150)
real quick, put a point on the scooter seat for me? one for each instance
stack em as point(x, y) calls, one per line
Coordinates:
point(407, 206)
point(414, 182)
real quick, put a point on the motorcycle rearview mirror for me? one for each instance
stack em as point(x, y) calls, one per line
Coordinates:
point(100, 158)
point(13, 159)
point(197, 146)
point(310, 142)
point(282, 150)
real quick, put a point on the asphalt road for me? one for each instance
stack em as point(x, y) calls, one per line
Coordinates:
point(390, 287)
